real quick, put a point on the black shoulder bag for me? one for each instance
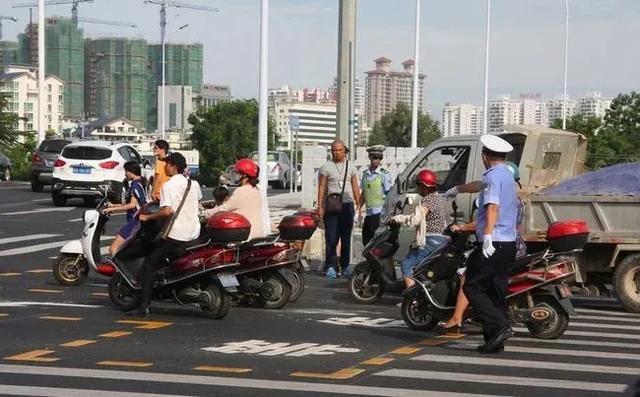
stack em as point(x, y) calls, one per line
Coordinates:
point(333, 203)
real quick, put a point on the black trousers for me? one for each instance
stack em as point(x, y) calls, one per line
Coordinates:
point(162, 251)
point(486, 286)
point(371, 224)
point(337, 227)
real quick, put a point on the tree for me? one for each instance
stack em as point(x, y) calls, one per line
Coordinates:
point(587, 126)
point(226, 132)
point(394, 128)
point(8, 133)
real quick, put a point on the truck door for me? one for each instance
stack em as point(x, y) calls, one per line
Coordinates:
point(452, 163)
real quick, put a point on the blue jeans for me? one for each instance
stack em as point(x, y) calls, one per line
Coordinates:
point(416, 255)
point(337, 227)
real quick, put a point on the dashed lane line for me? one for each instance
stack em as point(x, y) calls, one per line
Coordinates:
point(10, 274)
point(115, 334)
point(45, 291)
point(572, 353)
point(60, 318)
point(118, 363)
point(408, 350)
point(39, 211)
point(231, 370)
point(346, 373)
point(35, 356)
point(145, 324)
point(378, 361)
point(41, 247)
point(78, 343)
point(16, 239)
point(39, 271)
point(13, 390)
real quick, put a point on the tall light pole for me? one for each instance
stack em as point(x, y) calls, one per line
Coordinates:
point(263, 113)
point(416, 78)
point(486, 70)
point(163, 37)
point(42, 103)
point(566, 57)
point(346, 49)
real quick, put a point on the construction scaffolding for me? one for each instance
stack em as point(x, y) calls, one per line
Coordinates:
point(116, 79)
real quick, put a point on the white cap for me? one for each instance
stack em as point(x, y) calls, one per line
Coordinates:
point(495, 144)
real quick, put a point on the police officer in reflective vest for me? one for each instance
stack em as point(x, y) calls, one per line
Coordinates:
point(375, 183)
point(488, 270)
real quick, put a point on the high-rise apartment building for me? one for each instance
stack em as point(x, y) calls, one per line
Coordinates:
point(213, 94)
point(184, 63)
point(8, 52)
point(464, 119)
point(385, 88)
point(20, 84)
point(116, 78)
point(593, 105)
point(502, 111)
point(178, 105)
point(554, 109)
point(64, 48)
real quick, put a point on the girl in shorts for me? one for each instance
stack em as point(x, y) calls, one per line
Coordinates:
point(136, 198)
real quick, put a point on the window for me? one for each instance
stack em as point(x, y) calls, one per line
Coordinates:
point(173, 114)
point(551, 160)
point(450, 164)
point(120, 129)
point(49, 98)
point(125, 153)
point(134, 155)
point(86, 153)
point(49, 87)
point(28, 106)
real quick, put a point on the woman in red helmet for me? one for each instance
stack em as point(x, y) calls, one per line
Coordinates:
point(429, 222)
point(246, 199)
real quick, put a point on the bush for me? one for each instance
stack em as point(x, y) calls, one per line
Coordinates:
point(20, 156)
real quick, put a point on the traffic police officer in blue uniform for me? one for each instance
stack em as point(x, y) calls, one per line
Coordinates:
point(375, 184)
point(488, 270)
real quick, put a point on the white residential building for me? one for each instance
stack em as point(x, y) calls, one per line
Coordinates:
point(502, 111)
point(593, 105)
point(316, 123)
point(533, 113)
point(385, 88)
point(178, 105)
point(464, 119)
point(20, 84)
point(213, 94)
point(554, 108)
point(112, 129)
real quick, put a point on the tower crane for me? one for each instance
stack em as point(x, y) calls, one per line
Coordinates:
point(5, 18)
point(74, 6)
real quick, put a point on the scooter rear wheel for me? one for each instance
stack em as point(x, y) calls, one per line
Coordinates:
point(220, 302)
point(557, 323)
point(416, 312)
point(275, 291)
point(365, 284)
point(70, 269)
point(122, 295)
point(298, 288)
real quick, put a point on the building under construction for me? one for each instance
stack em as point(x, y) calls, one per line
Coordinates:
point(64, 48)
point(116, 75)
point(184, 67)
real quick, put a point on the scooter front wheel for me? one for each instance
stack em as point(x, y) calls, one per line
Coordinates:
point(366, 284)
point(70, 269)
point(554, 325)
point(416, 312)
point(122, 295)
point(275, 291)
point(219, 302)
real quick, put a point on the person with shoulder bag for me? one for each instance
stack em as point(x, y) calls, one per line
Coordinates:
point(336, 207)
point(179, 201)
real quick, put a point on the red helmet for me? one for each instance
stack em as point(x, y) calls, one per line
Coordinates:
point(427, 178)
point(247, 167)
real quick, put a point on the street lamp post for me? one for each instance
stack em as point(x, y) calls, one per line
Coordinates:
point(41, 71)
point(486, 70)
point(566, 54)
point(416, 77)
point(263, 115)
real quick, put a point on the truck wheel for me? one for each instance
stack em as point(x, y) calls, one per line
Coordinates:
point(70, 270)
point(555, 325)
point(626, 282)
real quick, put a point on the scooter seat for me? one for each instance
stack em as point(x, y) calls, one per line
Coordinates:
point(523, 262)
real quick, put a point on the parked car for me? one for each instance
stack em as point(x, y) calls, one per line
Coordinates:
point(5, 168)
point(42, 162)
point(86, 169)
point(278, 168)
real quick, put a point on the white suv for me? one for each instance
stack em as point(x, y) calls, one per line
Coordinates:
point(87, 168)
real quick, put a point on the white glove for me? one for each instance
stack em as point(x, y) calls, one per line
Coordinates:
point(487, 246)
point(357, 218)
point(451, 193)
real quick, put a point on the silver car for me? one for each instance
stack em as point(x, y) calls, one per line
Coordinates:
point(279, 170)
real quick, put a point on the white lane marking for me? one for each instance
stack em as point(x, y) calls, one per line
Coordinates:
point(365, 322)
point(75, 220)
point(40, 211)
point(247, 383)
point(66, 392)
point(8, 240)
point(599, 325)
point(500, 362)
point(264, 348)
point(572, 353)
point(579, 342)
point(56, 304)
point(607, 313)
point(40, 247)
point(607, 318)
point(39, 200)
point(599, 335)
point(502, 380)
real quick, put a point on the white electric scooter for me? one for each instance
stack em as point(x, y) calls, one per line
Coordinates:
point(71, 267)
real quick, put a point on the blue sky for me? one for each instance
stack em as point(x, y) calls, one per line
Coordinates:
point(527, 42)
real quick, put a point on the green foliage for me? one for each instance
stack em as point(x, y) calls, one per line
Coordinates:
point(614, 140)
point(8, 133)
point(394, 128)
point(224, 133)
point(20, 155)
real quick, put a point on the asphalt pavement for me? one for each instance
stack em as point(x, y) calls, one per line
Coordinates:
point(70, 341)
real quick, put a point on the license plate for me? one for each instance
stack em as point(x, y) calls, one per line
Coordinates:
point(49, 163)
point(228, 280)
point(81, 170)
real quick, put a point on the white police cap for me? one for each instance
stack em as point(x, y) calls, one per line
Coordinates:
point(376, 149)
point(495, 144)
